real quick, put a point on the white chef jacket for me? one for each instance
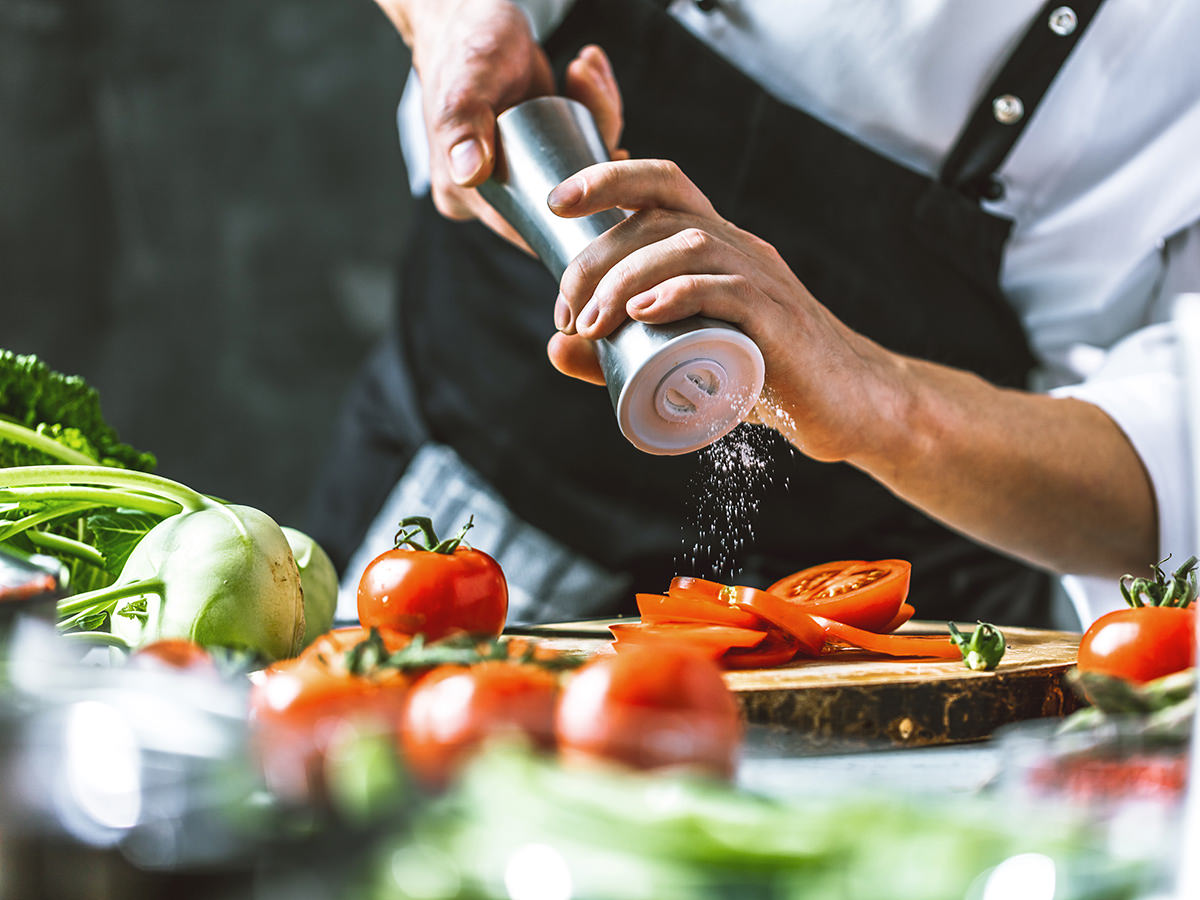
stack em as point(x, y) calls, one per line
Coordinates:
point(1103, 186)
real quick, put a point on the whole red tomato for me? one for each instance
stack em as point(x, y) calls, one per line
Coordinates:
point(650, 707)
point(454, 710)
point(300, 706)
point(1140, 643)
point(433, 588)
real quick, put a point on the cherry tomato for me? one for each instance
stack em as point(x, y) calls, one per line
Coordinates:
point(1140, 643)
point(865, 595)
point(299, 706)
point(651, 706)
point(454, 710)
point(173, 653)
point(434, 589)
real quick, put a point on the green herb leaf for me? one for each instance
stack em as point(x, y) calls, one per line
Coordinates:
point(135, 609)
point(983, 650)
point(116, 532)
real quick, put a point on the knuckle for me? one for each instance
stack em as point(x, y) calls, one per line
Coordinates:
point(741, 289)
point(666, 170)
point(574, 282)
point(693, 239)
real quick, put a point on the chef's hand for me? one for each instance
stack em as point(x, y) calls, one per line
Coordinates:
point(676, 257)
point(1052, 480)
point(476, 58)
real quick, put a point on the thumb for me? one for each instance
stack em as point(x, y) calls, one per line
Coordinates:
point(462, 129)
point(574, 356)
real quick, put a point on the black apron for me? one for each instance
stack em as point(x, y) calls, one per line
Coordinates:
point(908, 260)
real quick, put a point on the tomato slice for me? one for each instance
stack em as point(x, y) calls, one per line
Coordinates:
point(710, 640)
point(656, 608)
point(863, 594)
point(699, 588)
point(813, 579)
point(906, 613)
point(785, 614)
point(932, 646)
point(778, 648)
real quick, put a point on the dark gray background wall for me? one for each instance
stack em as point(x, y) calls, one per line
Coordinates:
point(200, 208)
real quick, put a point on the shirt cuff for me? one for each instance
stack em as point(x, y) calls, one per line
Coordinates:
point(1141, 387)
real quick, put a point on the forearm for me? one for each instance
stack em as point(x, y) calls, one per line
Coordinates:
point(1051, 480)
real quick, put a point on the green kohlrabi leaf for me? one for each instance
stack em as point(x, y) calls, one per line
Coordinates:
point(116, 532)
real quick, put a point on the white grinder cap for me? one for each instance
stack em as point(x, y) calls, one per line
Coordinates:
point(692, 391)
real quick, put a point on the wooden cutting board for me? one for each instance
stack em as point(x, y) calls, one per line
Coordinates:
point(853, 700)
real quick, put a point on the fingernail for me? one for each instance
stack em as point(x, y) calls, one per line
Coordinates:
point(641, 301)
point(562, 313)
point(590, 314)
point(466, 158)
point(566, 194)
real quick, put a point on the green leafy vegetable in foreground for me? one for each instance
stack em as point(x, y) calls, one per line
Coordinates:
point(146, 557)
point(64, 410)
point(47, 418)
point(518, 819)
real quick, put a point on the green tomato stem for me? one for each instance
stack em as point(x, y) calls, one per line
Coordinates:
point(411, 526)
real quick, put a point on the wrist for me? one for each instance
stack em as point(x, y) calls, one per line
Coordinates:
point(902, 422)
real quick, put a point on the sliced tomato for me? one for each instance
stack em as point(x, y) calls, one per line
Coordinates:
point(930, 646)
point(906, 613)
point(778, 648)
point(700, 588)
point(708, 640)
point(785, 614)
point(863, 594)
point(813, 579)
point(656, 608)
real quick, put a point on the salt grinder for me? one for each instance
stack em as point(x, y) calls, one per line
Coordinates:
point(676, 387)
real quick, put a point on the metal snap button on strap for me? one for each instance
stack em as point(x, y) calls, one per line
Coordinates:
point(1063, 21)
point(1008, 109)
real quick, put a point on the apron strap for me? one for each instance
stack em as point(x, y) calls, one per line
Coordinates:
point(1011, 99)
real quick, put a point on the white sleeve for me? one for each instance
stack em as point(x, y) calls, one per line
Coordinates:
point(1141, 384)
